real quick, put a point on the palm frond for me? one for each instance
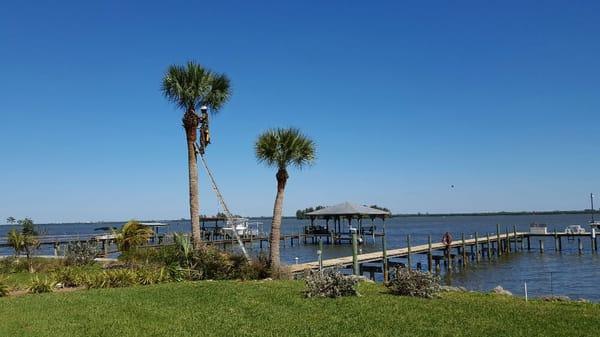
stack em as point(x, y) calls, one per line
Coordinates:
point(192, 86)
point(283, 147)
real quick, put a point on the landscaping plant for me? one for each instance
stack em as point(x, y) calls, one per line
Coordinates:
point(414, 283)
point(330, 283)
point(81, 253)
point(40, 285)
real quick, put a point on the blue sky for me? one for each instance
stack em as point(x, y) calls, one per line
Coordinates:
point(404, 99)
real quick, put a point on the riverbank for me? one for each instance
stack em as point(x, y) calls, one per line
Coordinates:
point(277, 308)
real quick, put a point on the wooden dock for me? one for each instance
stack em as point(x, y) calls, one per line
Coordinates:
point(466, 250)
point(404, 252)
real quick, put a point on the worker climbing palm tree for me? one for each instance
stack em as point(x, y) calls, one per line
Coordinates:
point(191, 87)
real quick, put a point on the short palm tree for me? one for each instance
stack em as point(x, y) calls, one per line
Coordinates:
point(16, 240)
point(281, 148)
point(132, 235)
point(193, 87)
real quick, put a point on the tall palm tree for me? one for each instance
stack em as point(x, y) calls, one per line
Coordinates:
point(281, 148)
point(193, 87)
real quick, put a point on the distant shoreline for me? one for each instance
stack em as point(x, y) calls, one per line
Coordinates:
point(399, 215)
point(587, 211)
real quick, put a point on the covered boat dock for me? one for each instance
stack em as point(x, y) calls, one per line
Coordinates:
point(346, 217)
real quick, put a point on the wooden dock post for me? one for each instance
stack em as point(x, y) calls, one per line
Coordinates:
point(408, 259)
point(560, 243)
point(476, 247)
point(320, 253)
point(580, 245)
point(555, 241)
point(55, 245)
point(489, 247)
point(386, 274)
point(528, 243)
point(515, 236)
point(541, 246)
point(498, 245)
point(507, 241)
point(522, 239)
point(429, 254)
point(464, 250)
point(104, 248)
point(355, 268)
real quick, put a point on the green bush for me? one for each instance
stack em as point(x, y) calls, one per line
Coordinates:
point(414, 283)
point(148, 276)
point(4, 290)
point(118, 278)
point(81, 253)
point(41, 285)
point(69, 277)
point(330, 283)
point(11, 265)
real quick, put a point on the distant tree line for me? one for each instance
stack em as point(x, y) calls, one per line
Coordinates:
point(301, 213)
point(556, 212)
point(385, 209)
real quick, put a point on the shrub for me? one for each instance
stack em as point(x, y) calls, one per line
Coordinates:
point(118, 278)
point(94, 280)
point(256, 269)
point(113, 278)
point(10, 265)
point(3, 288)
point(414, 283)
point(81, 253)
point(41, 285)
point(70, 277)
point(211, 263)
point(330, 283)
point(147, 276)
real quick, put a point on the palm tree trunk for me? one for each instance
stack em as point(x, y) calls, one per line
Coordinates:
point(275, 236)
point(190, 123)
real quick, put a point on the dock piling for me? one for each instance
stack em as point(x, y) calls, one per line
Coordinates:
point(464, 250)
point(408, 261)
point(429, 254)
point(385, 260)
point(498, 245)
point(320, 253)
point(489, 246)
point(355, 268)
point(476, 247)
point(515, 236)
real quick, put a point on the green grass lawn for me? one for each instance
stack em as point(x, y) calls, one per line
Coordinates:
point(277, 308)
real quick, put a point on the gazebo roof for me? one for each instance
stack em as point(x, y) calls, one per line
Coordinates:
point(347, 209)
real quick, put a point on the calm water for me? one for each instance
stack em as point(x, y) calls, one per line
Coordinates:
point(566, 273)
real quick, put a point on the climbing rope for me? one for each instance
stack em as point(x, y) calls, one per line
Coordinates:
point(231, 220)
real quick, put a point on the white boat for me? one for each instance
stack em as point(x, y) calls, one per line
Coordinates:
point(574, 229)
point(243, 227)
